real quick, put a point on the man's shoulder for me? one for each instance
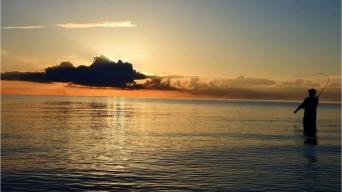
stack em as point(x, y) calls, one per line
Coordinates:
point(311, 99)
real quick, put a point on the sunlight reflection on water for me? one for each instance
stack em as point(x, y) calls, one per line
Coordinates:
point(117, 143)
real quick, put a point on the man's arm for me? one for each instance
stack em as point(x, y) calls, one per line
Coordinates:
point(299, 107)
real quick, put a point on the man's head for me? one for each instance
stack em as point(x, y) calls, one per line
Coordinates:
point(312, 92)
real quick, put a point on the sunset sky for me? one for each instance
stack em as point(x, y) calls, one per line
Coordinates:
point(278, 40)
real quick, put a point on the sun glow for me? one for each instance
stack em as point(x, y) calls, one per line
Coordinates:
point(64, 89)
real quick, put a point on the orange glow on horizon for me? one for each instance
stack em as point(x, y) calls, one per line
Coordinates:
point(64, 89)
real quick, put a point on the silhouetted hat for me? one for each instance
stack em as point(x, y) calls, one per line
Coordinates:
point(312, 91)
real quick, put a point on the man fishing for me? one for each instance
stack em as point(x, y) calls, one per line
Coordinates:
point(310, 106)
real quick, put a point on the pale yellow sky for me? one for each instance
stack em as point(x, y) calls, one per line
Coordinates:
point(284, 42)
point(264, 39)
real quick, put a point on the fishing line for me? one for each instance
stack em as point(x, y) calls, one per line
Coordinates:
point(326, 83)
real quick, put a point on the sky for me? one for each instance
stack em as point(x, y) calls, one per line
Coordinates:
point(278, 40)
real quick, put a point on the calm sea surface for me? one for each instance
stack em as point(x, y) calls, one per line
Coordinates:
point(139, 144)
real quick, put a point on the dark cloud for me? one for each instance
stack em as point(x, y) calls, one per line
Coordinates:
point(159, 83)
point(105, 73)
point(24, 76)
point(102, 72)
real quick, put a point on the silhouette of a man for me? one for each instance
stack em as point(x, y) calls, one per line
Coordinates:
point(309, 105)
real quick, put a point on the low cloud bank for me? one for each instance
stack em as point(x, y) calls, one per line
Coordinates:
point(102, 73)
point(258, 88)
point(105, 73)
point(247, 87)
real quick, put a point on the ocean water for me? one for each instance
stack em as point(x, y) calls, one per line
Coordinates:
point(146, 144)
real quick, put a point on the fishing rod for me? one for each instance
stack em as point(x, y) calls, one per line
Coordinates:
point(326, 84)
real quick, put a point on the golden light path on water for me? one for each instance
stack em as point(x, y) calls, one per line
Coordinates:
point(121, 143)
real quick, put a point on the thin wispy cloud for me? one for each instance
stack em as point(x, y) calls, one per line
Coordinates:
point(106, 24)
point(24, 27)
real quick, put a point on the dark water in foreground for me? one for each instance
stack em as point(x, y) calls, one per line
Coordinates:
point(135, 144)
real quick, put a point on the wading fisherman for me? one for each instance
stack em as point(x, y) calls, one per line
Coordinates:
point(310, 106)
